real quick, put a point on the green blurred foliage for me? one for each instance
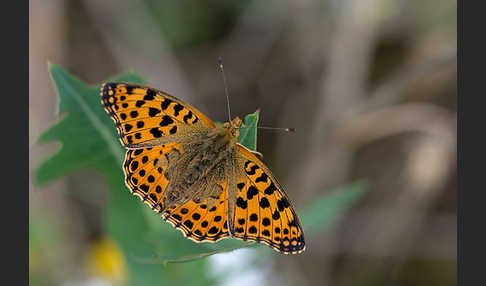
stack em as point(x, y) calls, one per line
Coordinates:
point(191, 23)
point(89, 140)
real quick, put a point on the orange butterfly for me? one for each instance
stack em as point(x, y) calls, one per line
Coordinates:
point(197, 175)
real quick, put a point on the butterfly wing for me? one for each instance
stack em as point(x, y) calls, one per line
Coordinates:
point(200, 218)
point(145, 117)
point(201, 221)
point(145, 172)
point(263, 212)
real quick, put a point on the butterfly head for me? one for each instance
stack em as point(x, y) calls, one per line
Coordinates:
point(232, 127)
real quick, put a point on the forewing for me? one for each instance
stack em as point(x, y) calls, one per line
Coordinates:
point(145, 117)
point(263, 212)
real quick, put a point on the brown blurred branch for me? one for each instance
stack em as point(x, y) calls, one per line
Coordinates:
point(260, 23)
point(430, 161)
point(154, 60)
point(347, 117)
point(393, 120)
point(342, 86)
point(391, 89)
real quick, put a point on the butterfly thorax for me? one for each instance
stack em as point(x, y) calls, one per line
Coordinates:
point(203, 162)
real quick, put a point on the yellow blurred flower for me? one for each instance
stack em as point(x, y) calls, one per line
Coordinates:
point(105, 260)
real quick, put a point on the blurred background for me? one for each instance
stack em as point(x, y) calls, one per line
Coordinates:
point(370, 86)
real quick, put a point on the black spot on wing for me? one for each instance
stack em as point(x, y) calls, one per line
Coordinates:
point(187, 117)
point(189, 224)
point(252, 170)
point(264, 203)
point(165, 103)
point(129, 89)
point(129, 139)
point(266, 222)
point(177, 109)
point(252, 191)
point(270, 189)
point(156, 132)
point(262, 178)
point(240, 186)
point(166, 120)
point(282, 204)
point(153, 111)
point(134, 165)
point(144, 188)
point(276, 215)
point(247, 163)
point(150, 95)
point(240, 202)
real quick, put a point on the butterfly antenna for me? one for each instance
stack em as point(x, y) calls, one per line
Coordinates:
point(221, 69)
point(271, 128)
point(277, 128)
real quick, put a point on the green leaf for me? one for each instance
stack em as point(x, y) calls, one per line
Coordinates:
point(85, 132)
point(326, 209)
point(88, 140)
point(248, 136)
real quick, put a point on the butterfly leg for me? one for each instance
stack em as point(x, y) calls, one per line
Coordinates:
point(257, 153)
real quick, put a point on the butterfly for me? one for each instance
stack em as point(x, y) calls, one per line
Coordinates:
point(201, 180)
